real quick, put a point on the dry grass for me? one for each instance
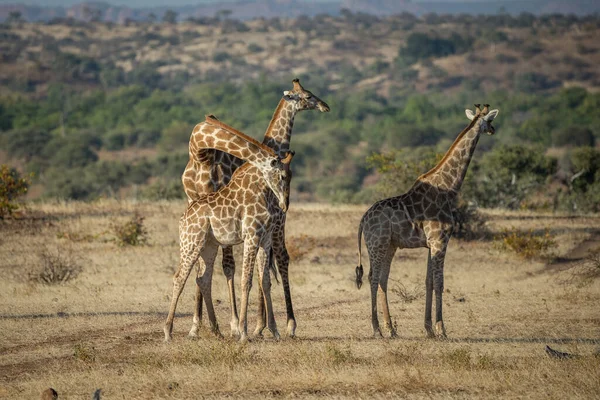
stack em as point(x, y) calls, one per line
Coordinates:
point(103, 329)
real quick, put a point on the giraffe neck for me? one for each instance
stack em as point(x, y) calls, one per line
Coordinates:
point(450, 172)
point(279, 132)
point(213, 134)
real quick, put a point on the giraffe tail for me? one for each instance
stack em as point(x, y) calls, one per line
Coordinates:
point(359, 269)
point(273, 266)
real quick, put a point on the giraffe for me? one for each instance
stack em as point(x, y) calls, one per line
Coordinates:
point(421, 217)
point(208, 170)
point(238, 212)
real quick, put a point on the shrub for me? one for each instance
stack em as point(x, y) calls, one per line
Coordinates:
point(131, 233)
point(507, 175)
point(163, 190)
point(533, 81)
point(458, 359)
point(221, 57)
point(573, 136)
point(54, 268)
point(12, 186)
point(255, 48)
point(85, 353)
point(408, 295)
point(299, 246)
point(469, 224)
point(528, 245)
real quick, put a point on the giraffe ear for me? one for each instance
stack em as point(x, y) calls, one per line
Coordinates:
point(286, 92)
point(491, 115)
point(470, 114)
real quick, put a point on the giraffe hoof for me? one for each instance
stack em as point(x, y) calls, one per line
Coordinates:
point(440, 330)
point(258, 332)
point(291, 328)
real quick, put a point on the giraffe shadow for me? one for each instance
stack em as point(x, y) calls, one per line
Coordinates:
point(473, 340)
point(90, 314)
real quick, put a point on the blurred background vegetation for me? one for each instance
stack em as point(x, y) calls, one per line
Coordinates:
point(96, 109)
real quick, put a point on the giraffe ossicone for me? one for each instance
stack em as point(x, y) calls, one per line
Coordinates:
point(421, 217)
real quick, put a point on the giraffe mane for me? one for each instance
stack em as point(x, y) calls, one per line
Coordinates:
point(211, 119)
point(272, 122)
point(454, 144)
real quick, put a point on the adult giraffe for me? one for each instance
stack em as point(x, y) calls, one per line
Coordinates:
point(209, 170)
point(239, 212)
point(421, 217)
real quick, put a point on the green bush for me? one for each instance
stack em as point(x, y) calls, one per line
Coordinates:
point(12, 186)
point(131, 233)
point(507, 175)
point(573, 136)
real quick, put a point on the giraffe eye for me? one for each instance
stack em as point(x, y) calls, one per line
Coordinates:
point(273, 163)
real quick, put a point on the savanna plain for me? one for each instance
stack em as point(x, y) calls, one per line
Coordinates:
point(80, 312)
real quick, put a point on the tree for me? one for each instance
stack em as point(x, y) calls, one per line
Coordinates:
point(223, 14)
point(170, 17)
point(15, 17)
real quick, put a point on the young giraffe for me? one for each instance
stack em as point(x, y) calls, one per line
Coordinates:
point(238, 212)
point(208, 170)
point(422, 217)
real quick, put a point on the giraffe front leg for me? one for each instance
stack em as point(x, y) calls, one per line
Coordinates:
point(429, 297)
point(438, 287)
point(229, 271)
point(250, 250)
point(261, 315)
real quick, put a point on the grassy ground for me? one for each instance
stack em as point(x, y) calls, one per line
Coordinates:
point(102, 327)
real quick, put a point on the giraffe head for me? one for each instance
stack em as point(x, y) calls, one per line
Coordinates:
point(304, 99)
point(483, 118)
point(278, 179)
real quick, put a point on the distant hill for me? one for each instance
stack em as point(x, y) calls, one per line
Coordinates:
point(245, 10)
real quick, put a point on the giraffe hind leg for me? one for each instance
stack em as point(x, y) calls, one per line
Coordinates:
point(204, 281)
point(197, 319)
point(282, 259)
point(190, 251)
point(229, 272)
point(383, 282)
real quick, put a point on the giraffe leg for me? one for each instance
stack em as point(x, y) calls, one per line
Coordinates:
point(437, 271)
point(263, 261)
point(282, 259)
point(250, 250)
point(197, 320)
point(383, 281)
point(229, 271)
point(261, 314)
point(191, 245)
point(376, 257)
point(428, 297)
point(204, 282)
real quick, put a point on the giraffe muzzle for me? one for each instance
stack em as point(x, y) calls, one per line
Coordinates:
point(323, 107)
